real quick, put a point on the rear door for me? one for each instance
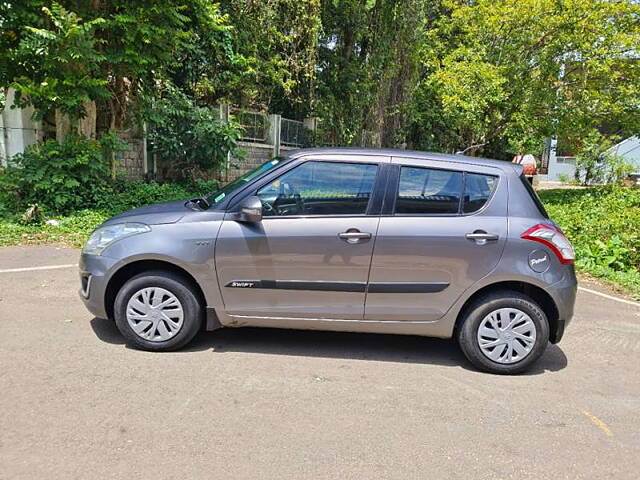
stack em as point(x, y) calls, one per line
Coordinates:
point(309, 257)
point(443, 227)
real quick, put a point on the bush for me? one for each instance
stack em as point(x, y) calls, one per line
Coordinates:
point(188, 137)
point(60, 177)
point(602, 223)
point(131, 194)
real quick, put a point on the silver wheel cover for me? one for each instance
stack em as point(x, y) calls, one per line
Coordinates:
point(155, 314)
point(506, 335)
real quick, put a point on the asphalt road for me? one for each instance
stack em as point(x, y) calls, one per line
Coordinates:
point(75, 402)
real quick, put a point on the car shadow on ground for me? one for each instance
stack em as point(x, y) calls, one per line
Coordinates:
point(350, 346)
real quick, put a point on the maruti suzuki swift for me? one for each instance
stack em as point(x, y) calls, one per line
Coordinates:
point(381, 241)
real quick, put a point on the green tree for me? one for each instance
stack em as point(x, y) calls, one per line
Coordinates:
point(369, 67)
point(507, 73)
point(278, 41)
point(58, 65)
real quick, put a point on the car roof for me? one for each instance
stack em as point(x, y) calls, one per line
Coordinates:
point(397, 153)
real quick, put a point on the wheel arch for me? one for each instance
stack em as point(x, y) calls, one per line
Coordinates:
point(128, 271)
point(538, 294)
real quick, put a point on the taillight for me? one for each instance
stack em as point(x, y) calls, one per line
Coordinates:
point(554, 239)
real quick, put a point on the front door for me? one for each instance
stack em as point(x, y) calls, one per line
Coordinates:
point(441, 231)
point(310, 255)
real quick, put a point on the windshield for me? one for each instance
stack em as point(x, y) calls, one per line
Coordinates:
point(216, 197)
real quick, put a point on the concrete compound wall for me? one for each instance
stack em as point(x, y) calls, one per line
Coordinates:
point(17, 129)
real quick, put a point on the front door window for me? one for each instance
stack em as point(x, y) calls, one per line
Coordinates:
point(320, 188)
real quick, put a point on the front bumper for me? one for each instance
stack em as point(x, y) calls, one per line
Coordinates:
point(94, 276)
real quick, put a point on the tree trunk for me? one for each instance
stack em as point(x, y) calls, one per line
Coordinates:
point(87, 125)
point(63, 126)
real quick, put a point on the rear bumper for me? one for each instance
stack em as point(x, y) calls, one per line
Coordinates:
point(564, 294)
point(93, 282)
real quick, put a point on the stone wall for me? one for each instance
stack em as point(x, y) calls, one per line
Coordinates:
point(257, 154)
point(131, 161)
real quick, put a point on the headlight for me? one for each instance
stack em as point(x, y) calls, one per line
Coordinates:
point(102, 237)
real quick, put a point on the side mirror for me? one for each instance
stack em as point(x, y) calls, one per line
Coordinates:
point(250, 210)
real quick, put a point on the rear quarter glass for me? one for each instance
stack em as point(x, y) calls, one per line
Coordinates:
point(534, 196)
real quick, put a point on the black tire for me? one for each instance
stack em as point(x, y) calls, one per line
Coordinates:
point(192, 310)
point(476, 312)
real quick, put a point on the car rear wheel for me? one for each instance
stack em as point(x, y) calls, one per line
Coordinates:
point(157, 311)
point(504, 332)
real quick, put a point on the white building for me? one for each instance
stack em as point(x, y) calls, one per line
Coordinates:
point(629, 149)
point(561, 168)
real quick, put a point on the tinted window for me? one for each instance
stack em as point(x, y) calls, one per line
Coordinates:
point(320, 188)
point(428, 191)
point(534, 196)
point(477, 190)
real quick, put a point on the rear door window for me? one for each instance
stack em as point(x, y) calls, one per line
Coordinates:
point(428, 191)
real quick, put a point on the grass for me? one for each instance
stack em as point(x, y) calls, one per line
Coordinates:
point(72, 231)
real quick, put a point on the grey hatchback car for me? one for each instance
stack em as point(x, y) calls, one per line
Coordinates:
point(382, 241)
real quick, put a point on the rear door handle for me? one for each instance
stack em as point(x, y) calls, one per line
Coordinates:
point(354, 236)
point(481, 237)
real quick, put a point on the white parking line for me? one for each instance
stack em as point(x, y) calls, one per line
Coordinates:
point(610, 297)
point(32, 269)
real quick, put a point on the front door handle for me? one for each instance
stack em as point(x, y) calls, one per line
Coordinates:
point(354, 235)
point(481, 237)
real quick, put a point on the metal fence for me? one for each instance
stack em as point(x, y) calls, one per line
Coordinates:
point(293, 133)
point(255, 126)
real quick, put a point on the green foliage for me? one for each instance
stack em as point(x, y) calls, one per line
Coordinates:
point(369, 67)
point(277, 41)
point(510, 72)
point(60, 64)
point(59, 177)
point(126, 195)
point(72, 230)
point(14, 17)
point(186, 136)
point(602, 223)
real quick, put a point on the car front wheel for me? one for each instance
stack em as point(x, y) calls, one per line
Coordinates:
point(504, 332)
point(157, 311)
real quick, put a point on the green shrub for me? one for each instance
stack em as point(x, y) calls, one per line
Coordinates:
point(188, 137)
point(603, 225)
point(127, 194)
point(60, 177)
